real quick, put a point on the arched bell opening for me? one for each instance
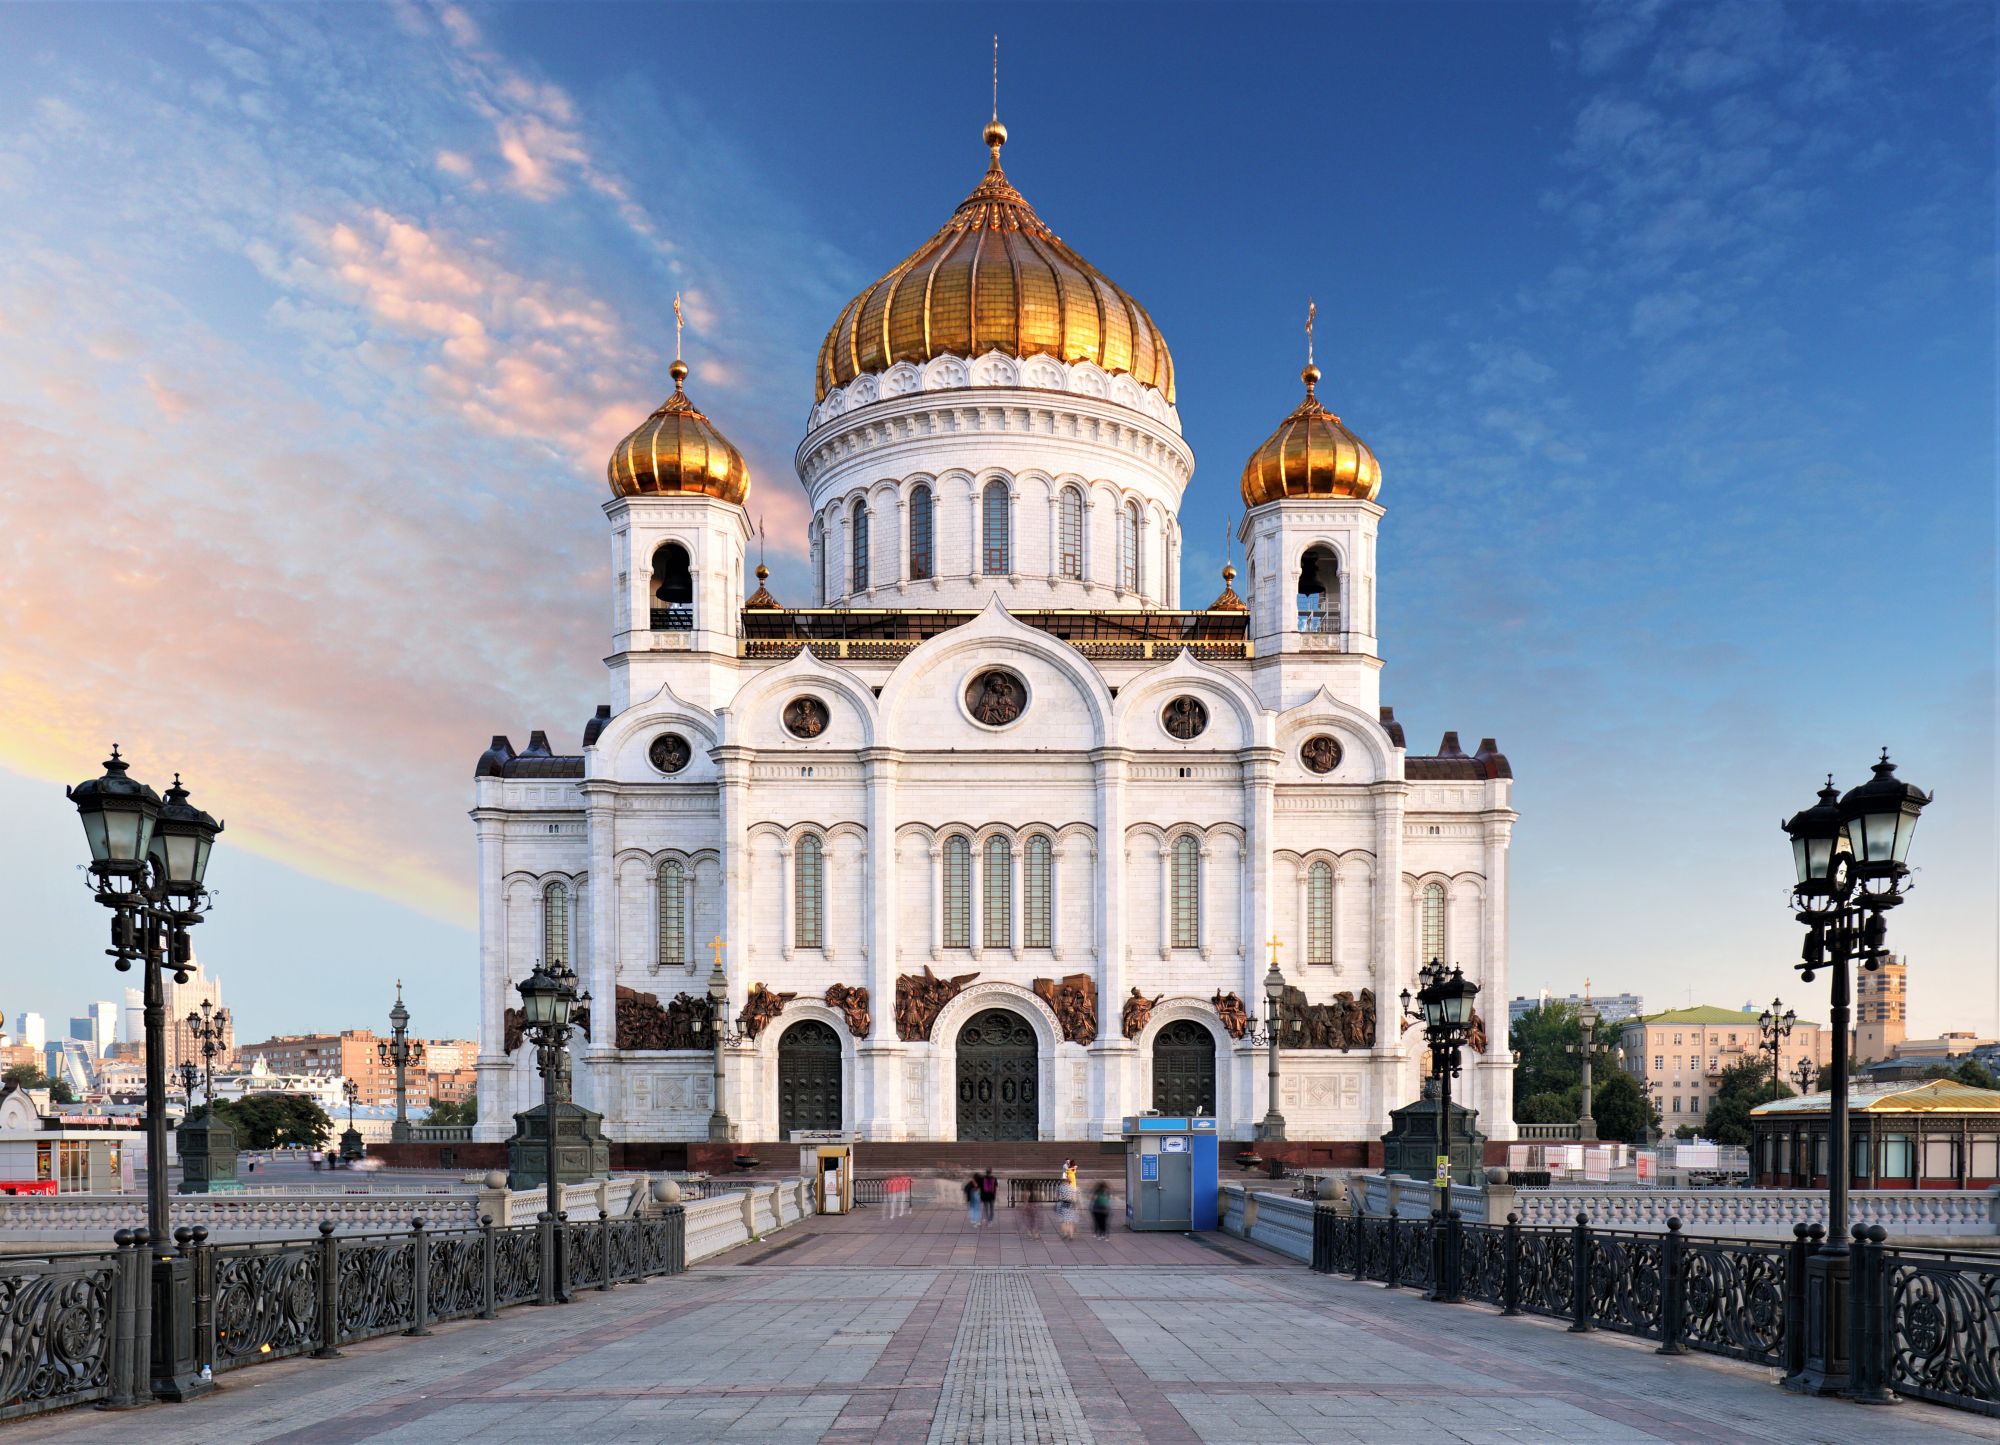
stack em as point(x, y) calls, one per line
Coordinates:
point(1319, 591)
point(673, 589)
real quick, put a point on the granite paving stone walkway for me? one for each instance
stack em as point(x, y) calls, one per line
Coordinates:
point(923, 1330)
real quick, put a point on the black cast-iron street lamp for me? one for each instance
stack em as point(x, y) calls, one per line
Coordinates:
point(722, 1032)
point(209, 1028)
point(1802, 1075)
point(1775, 1027)
point(549, 998)
point(1849, 856)
point(350, 1142)
point(1586, 1051)
point(189, 1076)
point(405, 1053)
point(1444, 1003)
point(148, 858)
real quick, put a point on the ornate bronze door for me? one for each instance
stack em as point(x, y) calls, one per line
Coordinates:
point(808, 1078)
point(1184, 1069)
point(997, 1064)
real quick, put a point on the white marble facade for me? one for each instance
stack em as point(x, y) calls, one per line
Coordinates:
point(1096, 841)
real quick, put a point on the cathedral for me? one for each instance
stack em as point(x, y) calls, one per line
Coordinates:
point(996, 838)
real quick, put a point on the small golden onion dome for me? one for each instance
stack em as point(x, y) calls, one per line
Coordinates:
point(1228, 601)
point(1311, 454)
point(762, 597)
point(994, 279)
point(678, 452)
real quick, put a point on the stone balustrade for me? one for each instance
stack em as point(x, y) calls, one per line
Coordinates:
point(1764, 1213)
point(1416, 1198)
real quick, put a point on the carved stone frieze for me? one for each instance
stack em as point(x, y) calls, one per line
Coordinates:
point(643, 1023)
point(1346, 1022)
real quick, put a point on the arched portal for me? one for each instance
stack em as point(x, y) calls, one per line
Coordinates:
point(1184, 1069)
point(997, 1067)
point(808, 1078)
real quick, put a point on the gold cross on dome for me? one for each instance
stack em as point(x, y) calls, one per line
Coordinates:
point(1312, 310)
point(715, 944)
point(1275, 945)
point(678, 323)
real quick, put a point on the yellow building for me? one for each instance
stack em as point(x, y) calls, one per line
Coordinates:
point(1680, 1055)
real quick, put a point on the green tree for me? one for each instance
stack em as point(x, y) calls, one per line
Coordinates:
point(1967, 1071)
point(1622, 1110)
point(1542, 1037)
point(30, 1077)
point(1547, 1108)
point(1741, 1088)
point(263, 1121)
point(1684, 1132)
point(450, 1111)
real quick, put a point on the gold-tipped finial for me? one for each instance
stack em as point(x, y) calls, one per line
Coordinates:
point(679, 370)
point(1310, 376)
point(995, 134)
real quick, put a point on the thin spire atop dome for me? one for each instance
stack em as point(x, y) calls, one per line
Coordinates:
point(1310, 376)
point(995, 134)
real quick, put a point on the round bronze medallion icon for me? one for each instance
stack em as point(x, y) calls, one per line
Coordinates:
point(1320, 754)
point(806, 717)
point(669, 752)
point(1185, 718)
point(996, 697)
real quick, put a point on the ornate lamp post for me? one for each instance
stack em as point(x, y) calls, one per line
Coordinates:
point(1775, 1027)
point(189, 1076)
point(549, 998)
point(723, 1032)
point(209, 1027)
point(405, 1054)
point(1802, 1075)
point(148, 858)
point(1849, 856)
point(1273, 1126)
point(350, 1140)
point(1586, 1052)
point(1444, 1003)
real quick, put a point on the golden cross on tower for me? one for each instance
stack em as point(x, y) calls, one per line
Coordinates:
point(996, 77)
point(679, 322)
point(715, 944)
point(1275, 945)
point(1312, 310)
point(1586, 990)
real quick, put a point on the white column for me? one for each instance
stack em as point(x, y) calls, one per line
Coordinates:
point(937, 900)
point(827, 887)
point(1391, 798)
point(1334, 901)
point(876, 1108)
point(1260, 771)
point(787, 885)
point(1202, 917)
point(975, 892)
point(1303, 954)
point(592, 1068)
point(1166, 898)
point(1014, 893)
point(1111, 1050)
point(1058, 851)
point(495, 1070)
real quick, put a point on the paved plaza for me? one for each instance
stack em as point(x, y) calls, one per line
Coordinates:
point(923, 1330)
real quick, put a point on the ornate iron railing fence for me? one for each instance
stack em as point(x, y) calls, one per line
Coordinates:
point(1923, 1322)
point(60, 1338)
point(75, 1328)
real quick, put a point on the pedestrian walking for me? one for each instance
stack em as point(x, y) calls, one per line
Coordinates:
point(973, 1211)
point(988, 1188)
point(1100, 1209)
point(1066, 1200)
point(896, 1191)
point(1031, 1216)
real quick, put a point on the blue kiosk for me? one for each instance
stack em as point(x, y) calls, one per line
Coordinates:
point(1172, 1172)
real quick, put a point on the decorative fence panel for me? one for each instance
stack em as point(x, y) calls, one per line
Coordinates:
point(1924, 1323)
point(257, 1302)
point(58, 1329)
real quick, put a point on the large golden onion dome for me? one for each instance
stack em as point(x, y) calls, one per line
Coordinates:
point(994, 279)
point(1311, 454)
point(678, 452)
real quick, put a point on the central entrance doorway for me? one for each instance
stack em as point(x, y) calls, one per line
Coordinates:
point(808, 1078)
point(1184, 1069)
point(997, 1064)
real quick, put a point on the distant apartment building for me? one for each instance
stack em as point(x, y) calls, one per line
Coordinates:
point(1881, 1010)
point(182, 999)
point(97, 1030)
point(357, 1054)
point(1685, 1051)
point(1611, 1009)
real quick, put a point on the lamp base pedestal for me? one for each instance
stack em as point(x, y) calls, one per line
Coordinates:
point(1826, 1368)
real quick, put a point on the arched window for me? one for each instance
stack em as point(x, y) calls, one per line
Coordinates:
point(1037, 867)
point(1319, 913)
point(1070, 529)
point(921, 564)
point(555, 924)
point(1128, 547)
point(673, 589)
point(958, 891)
point(1319, 591)
point(671, 886)
point(1430, 929)
point(1186, 892)
point(996, 903)
point(857, 570)
point(993, 524)
point(809, 896)
point(819, 559)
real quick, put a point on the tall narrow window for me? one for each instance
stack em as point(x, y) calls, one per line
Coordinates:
point(857, 570)
point(555, 924)
point(1128, 547)
point(921, 564)
point(1186, 892)
point(1319, 913)
point(996, 903)
point(958, 891)
point(1319, 591)
point(819, 559)
point(808, 910)
point(1037, 920)
point(672, 889)
point(993, 526)
point(673, 590)
point(1431, 931)
point(1071, 527)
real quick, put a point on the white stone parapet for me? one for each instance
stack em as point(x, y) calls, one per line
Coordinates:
point(1771, 1213)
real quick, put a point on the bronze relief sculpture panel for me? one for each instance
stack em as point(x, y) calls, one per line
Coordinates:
point(996, 697)
point(669, 752)
point(1138, 1011)
point(1229, 1010)
point(921, 997)
point(806, 717)
point(1073, 1000)
point(1320, 753)
point(759, 1008)
point(853, 1006)
point(1185, 718)
point(1346, 1022)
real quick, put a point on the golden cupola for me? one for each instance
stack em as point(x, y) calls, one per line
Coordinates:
point(996, 278)
point(1311, 454)
point(678, 452)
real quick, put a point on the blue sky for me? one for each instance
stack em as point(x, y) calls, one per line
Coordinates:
point(1672, 327)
